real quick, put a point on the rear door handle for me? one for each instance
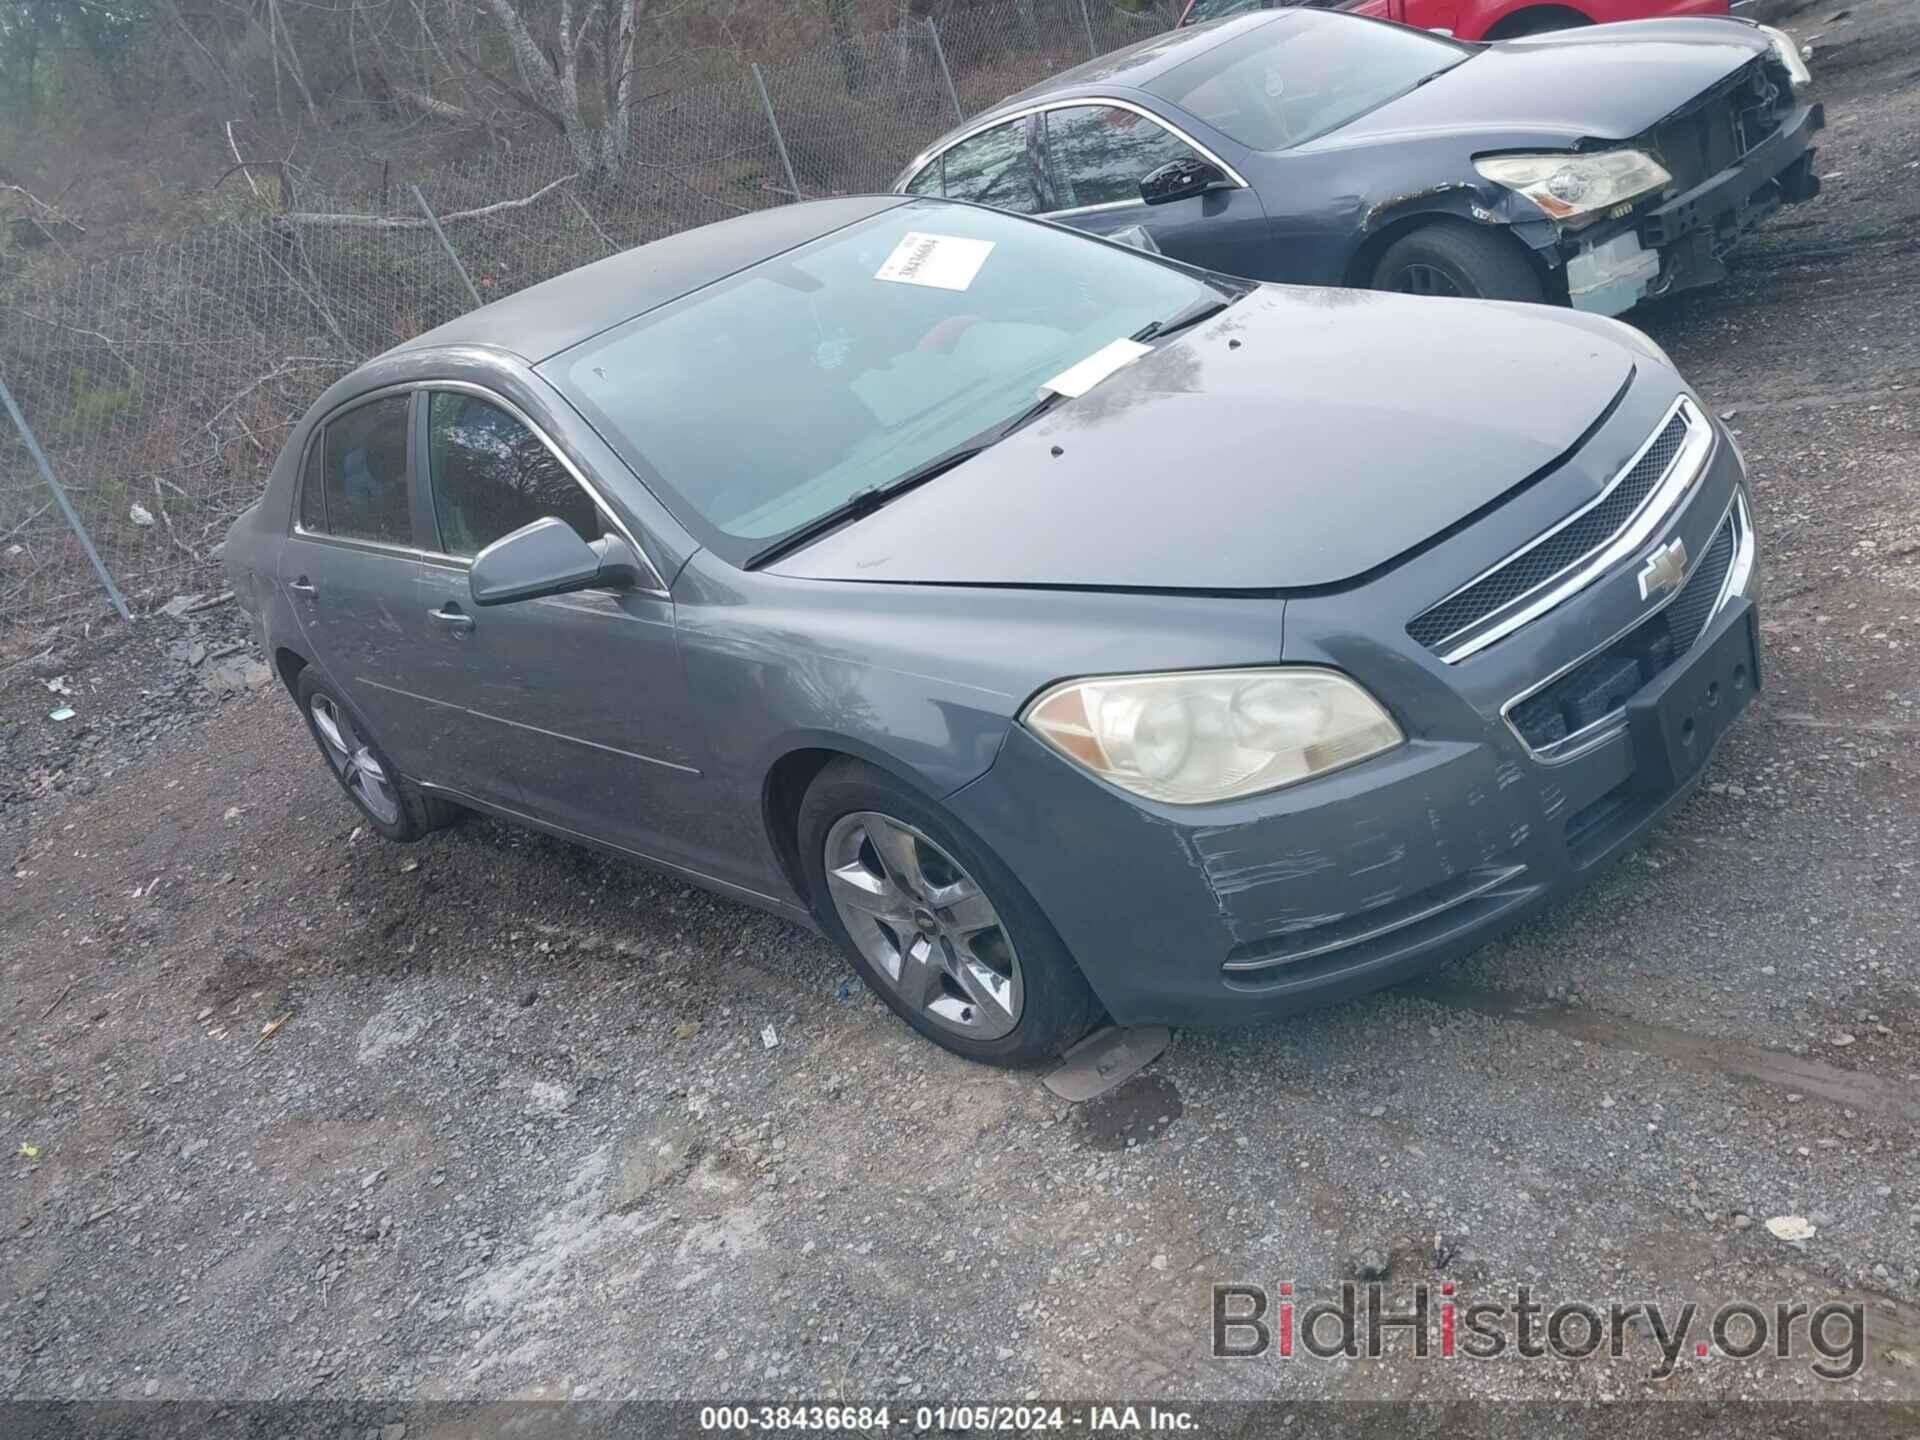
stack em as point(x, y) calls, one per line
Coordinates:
point(302, 586)
point(450, 617)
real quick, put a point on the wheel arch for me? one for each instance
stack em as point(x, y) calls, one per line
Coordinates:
point(784, 783)
point(287, 664)
point(1528, 18)
point(1450, 205)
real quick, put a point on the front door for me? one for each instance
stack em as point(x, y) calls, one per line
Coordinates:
point(580, 698)
point(1096, 156)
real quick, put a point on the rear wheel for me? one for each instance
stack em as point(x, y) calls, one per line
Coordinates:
point(936, 925)
point(1540, 20)
point(1456, 260)
point(393, 806)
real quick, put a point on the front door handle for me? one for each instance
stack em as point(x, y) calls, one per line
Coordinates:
point(302, 586)
point(451, 617)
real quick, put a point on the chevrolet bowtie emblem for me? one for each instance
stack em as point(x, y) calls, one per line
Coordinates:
point(1666, 569)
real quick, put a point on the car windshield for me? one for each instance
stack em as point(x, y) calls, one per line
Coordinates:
point(1302, 75)
point(764, 401)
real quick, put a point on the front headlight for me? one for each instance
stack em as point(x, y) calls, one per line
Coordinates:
point(1204, 735)
point(1577, 189)
point(1789, 55)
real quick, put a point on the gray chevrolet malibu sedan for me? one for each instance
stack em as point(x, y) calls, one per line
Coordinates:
point(1059, 628)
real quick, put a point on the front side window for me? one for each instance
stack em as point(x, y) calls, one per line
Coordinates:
point(767, 399)
point(996, 167)
point(1099, 154)
point(363, 472)
point(1302, 74)
point(491, 475)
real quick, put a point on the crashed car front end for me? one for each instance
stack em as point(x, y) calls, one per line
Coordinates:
point(1626, 221)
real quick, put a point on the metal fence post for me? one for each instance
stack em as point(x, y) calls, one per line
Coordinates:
point(447, 245)
point(66, 506)
point(1086, 18)
point(779, 140)
point(940, 54)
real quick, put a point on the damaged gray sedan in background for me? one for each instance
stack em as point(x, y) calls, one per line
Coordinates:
point(1595, 167)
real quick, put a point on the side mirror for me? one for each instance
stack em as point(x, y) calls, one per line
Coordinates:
point(1179, 179)
point(548, 557)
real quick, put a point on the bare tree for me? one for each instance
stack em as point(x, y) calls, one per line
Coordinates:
point(547, 80)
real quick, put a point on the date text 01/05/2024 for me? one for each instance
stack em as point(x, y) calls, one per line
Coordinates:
point(942, 1419)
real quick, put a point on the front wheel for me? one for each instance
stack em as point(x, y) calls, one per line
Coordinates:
point(935, 924)
point(1455, 259)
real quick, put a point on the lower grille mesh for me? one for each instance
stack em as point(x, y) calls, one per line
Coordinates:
point(1601, 684)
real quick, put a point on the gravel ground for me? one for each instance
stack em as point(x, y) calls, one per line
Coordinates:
point(518, 1133)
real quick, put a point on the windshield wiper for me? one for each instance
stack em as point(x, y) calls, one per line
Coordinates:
point(866, 501)
point(1192, 313)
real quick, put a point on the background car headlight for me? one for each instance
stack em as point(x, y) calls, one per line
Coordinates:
point(1577, 189)
point(1789, 56)
point(1203, 735)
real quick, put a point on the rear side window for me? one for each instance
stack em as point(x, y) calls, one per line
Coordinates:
point(491, 475)
point(927, 182)
point(1100, 153)
point(362, 458)
point(995, 167)
point(313, 499)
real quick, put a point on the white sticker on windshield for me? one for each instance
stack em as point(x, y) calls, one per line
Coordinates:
point(945, 262)
point(1077, 379)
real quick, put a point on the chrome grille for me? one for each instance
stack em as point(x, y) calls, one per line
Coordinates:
point(1571, 554)
point(1594, 691)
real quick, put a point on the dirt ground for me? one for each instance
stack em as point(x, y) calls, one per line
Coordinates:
point(518, 1133)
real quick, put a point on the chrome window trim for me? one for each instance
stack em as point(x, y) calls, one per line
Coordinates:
point(1688, 464)
point(927, 157)
point(1588, 737)
point(464, 562)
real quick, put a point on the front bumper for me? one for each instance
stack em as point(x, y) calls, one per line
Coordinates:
point(1679, 243)
point(1234, 912)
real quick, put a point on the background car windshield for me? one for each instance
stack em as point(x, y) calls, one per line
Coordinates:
point(765, 400)
point(1302, 75)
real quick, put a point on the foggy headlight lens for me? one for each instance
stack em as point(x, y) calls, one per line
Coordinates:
point(1577, 189)
point(1208, 735)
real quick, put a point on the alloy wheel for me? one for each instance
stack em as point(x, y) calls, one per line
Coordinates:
point(354, 762)
point(1418, 279)
point(924, 924)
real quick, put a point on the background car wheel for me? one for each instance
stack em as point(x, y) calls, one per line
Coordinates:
point(390, 804)
point(1458, 260)
point(936, 925)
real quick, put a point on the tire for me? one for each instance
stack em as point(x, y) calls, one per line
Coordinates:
point(1002, 993)
point(387, 801)
point(1452, 258)
point(1537, 22)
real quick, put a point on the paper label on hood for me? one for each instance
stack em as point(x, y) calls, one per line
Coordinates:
point(944, 262)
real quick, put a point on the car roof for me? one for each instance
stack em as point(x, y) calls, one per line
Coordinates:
point(544, 319)
point(1136, 66)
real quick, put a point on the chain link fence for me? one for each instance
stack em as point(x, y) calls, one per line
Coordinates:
point(161, 385)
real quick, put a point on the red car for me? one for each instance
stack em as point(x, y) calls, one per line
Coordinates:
point(1478, 19)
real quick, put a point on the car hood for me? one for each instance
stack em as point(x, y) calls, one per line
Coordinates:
point(1604, 82)
point(1301, 438)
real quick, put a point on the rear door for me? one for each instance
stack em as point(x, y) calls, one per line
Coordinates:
point(351, 568)
point(1096, 153)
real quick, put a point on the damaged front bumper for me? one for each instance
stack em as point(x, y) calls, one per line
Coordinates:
point(1665, 245)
